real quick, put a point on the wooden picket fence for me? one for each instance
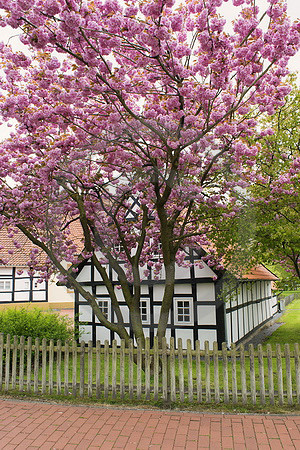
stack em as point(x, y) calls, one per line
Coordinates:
point(171, 374)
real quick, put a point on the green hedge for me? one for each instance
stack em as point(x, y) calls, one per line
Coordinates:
point(36, 323)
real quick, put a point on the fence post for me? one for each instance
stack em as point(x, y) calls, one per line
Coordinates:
point(243, 374)
point(297, 370)
point(1, 359)
point(234, 375)
point(289, 389)
point(44, 364)
point(164, 370)
point(74, 368)
point(172, 370)
point(81, 369)
point(252, 374)
point(21, 368)
point(14, 364)
point(58, 367)
point(29, 357)
point(225, 372)
point(98, 368)
point(270, 374)
point(261, 375)
point(36, 366)
point(7, 362)
point(190, 370)
point(216, 372)
point(180, 367)
point(114, 369)
point(122, 370)
point(130, 360)
point(147, 368)
point(90, 368)
point(207, 372)
point(198, 372)
point(66, 368)
point(279, 374)
point(156, 366)
point(51, 365)
point(139, 368)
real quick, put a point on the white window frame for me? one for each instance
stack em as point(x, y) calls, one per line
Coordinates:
point(146, 305)
point(101, 300)
point(7, 285)
point(178, 309)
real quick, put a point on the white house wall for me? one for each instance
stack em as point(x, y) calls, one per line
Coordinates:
point(198, 294)
point(252, 307)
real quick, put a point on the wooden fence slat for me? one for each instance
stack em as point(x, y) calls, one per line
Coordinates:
point(44, 365)
point(28, 365)
point(74, 368)
point(36, 366)
point(51, 365)
point(234, 374)
point(106, 368)
point(297, 371)
point(166, 359)
point(147, 368)
point(180, 370)
point(164, 370)
point(66, 368)
point(22, 363)
point(198, 372)
point(122, 369)
point(1, 359)
point(289, 389)
point(252, 374)
point(139, 369)
point(114, 370)
point(130, 381)
point(190, 370)
point(98, 369)
point(270, 374)
point(172, 370)
point(262, 392)
point(7, 362)
point(243, 374)
point(14, 364)
point(207, 372)
point(156, 366)
point(279, 374)
point(81, 368)
point(90, 368)
point(58, 367)
point(216, 372)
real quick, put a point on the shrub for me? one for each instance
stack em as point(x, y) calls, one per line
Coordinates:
point(36, 323)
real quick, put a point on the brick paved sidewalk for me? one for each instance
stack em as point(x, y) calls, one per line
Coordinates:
point(33, 425)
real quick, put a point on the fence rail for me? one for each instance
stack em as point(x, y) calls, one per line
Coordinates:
point(256, 376)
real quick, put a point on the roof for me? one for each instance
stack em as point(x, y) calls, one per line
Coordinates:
point(260, 272)
point(10, 255)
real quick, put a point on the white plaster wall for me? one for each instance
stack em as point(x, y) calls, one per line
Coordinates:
point(184, 335)
point(205, 292)
point(207, 335)
point(206, 315)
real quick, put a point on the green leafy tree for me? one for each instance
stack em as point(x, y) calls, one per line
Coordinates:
point(275, 196)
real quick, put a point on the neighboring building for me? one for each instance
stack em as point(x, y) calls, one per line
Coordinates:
point(198, 310)
point(16, 285)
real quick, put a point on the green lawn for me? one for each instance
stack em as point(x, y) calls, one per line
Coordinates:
point(289, 331)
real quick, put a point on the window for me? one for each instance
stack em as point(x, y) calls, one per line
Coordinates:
point(144, 310)
point(27, 285)
point(183, 311)
point(5, 285)
point(103, 305)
